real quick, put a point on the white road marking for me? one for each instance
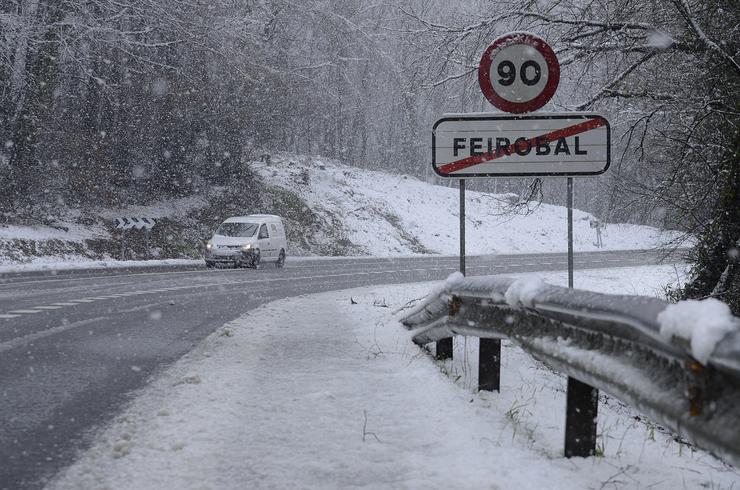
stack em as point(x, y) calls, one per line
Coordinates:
point(64, 304)
point(47, 307)
point(140, 308)
point(25, 312)
point(4, 315)
point(86, 300)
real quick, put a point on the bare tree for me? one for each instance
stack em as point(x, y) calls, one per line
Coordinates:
point(667, 74)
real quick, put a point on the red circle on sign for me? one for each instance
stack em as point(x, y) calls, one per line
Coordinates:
point(553, 69)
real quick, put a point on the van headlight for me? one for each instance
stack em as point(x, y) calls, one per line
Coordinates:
point(246, 246)
point(209, 245)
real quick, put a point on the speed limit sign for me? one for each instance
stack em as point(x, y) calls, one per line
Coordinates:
point(519, 72)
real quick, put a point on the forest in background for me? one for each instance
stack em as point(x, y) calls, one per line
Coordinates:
point(109, 102)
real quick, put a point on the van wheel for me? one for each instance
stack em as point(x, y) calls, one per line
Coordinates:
point(256, 259)
point(281, 259)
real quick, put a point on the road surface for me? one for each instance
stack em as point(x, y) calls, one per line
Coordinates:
point(74, 346)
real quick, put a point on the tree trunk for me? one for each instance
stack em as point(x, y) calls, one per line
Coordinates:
point(716, 271)
point(35, 107)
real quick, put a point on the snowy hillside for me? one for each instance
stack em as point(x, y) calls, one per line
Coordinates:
point(329, 209)
point(398, 215)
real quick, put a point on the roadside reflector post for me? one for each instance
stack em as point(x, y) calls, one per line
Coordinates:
point(489, 365)
point(580, 419)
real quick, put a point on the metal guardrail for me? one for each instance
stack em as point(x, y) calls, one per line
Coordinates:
point(609, 342)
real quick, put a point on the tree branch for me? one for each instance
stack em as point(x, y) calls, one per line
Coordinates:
point(616, 81)
point(685, 10)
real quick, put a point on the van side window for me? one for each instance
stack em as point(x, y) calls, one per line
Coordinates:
point(263, 232)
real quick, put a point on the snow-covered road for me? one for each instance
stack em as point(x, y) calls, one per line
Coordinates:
point(320, 392)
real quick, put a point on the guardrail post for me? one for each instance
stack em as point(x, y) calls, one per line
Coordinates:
point(444, 348)
point(580, 419)
point(489, 365)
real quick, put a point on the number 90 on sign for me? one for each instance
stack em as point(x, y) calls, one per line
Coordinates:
point(507, 73)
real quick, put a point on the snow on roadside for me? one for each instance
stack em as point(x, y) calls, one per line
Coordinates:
point(316, 392)
point(74, 263)
point(70, 232)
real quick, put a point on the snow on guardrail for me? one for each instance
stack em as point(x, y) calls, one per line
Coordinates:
point(677, 363)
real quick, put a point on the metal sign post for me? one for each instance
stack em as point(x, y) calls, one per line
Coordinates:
point(570, 232)
point(582, 400)
point(462, 226)
point(444, 347)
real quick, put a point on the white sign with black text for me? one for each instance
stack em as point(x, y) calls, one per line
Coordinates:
point(506, 145)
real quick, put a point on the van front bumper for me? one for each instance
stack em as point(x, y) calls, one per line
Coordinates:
point(229, 256)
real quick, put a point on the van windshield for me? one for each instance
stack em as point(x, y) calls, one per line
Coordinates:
point(237, 229)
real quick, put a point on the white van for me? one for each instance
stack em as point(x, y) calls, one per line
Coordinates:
point(248, 241)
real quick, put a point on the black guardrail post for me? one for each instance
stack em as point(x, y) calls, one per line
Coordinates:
point(580, 419)
point(444, 348)
point(489, 365)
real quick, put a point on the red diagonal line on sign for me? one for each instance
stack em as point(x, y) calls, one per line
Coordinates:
point(545, 138)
